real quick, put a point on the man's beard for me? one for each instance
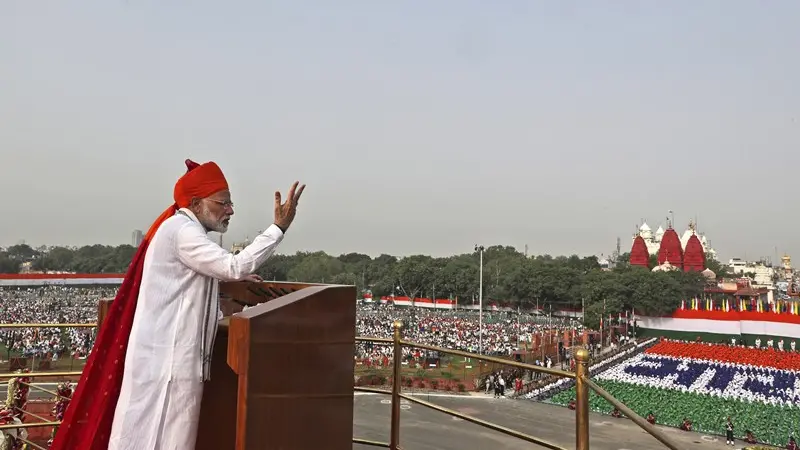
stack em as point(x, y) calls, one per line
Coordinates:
point(219, 225)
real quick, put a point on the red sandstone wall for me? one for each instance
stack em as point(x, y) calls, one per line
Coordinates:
point(44, 409)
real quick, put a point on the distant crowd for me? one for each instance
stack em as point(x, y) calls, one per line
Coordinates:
point(49, 304)
point(503, 333)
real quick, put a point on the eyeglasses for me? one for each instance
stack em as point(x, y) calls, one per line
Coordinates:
point(225, 204)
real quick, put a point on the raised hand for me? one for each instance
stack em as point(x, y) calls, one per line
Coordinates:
point(285, 212)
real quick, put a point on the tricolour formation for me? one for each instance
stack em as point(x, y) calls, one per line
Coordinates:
point(718, 325)
point(759, 389)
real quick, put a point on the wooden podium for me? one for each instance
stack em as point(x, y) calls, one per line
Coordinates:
point(282, 371)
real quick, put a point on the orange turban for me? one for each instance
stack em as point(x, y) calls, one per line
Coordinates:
point(200, 180)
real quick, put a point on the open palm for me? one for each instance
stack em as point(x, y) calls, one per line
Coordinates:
point(285, 211)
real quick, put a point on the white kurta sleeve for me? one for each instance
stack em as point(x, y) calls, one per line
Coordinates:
point(205, 256)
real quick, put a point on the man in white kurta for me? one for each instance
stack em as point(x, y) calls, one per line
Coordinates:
point(175, 324)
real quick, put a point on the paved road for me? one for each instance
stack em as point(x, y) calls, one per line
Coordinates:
point(426, 429)
point(34, 394)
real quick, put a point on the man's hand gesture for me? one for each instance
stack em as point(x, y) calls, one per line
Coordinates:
point(284, 212)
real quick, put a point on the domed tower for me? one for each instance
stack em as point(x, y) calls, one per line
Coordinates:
point(670, 249)
point(787, 267)
point(695, 257)
point(659, 234)
point(645, 231)
point(666, 267)
point(639, 254)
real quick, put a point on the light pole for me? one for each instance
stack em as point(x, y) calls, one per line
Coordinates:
point(479, 249)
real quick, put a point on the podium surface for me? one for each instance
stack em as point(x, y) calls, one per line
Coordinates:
point(282, 371)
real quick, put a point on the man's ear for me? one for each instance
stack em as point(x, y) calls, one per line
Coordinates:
point(194, 204)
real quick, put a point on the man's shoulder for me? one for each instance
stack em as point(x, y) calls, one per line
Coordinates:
point(176, 223)
point(178, 220)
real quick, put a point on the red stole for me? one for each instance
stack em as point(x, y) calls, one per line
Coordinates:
point(90, 414)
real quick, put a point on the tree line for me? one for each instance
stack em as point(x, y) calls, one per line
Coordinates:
point(509, 276)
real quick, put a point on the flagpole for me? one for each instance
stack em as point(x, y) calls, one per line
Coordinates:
point(601, 324)
point(550, 326)
point(479, 248)
point(583, 313)
point(480, 301)
point(519, 330)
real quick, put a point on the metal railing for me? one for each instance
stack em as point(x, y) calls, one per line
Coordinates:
point(581, 376)
point(582, 385)
point(4, 376)
point(47, 325)
point(42, 421)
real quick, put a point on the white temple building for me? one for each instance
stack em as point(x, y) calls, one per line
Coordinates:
point(653, 240)
point(761, 273)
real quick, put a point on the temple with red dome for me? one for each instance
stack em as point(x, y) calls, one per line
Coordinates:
point(694, 258)
point(674, 253)
point(639, 254)
point(670, 249)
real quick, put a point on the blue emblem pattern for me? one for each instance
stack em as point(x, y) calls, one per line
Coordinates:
point(727, 380)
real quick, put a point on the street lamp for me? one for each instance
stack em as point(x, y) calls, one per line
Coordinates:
point(479, 249)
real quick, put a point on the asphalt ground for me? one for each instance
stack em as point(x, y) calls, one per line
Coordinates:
point(425, 429)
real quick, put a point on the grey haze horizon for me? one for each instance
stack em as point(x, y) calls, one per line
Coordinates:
point(419, 127)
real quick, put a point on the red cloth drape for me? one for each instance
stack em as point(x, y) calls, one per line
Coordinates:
point(87, 421)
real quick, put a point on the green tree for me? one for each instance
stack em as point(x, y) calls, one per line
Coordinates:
point(21, 253)
point(721, 270)
point(348, 278)
point(523, 284)
point(624, 259)
point(8, 265)
point(498, 264)
point(317, 267)
point(56, 258)
point(381, 275)
point(414, 274)
point(278, 266)
point(604, 293)
point(458, 277)
point(509, 276)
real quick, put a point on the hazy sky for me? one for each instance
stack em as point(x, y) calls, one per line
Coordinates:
point(419, 126)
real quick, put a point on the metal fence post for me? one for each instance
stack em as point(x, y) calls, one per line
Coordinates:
point(581, 399)
point(394, 442)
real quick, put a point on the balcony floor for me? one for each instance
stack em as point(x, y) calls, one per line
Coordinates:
point(426, 429)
